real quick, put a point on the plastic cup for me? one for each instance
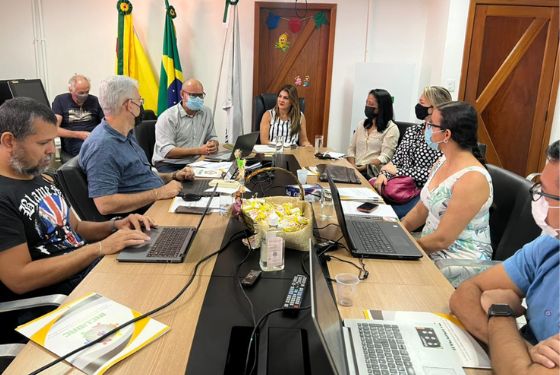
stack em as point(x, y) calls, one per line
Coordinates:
point(346, 288)
point(302, 176)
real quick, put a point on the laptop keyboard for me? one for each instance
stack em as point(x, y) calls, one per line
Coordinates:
point(372, 238)
point(384, 349)
point(169, 242)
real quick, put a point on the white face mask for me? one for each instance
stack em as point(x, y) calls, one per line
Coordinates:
point(539, 209)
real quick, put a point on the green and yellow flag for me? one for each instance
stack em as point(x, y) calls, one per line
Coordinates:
point(132, 61)
point(171, 75)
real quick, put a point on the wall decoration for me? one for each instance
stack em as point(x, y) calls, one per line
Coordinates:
point(306, 82)
point(297, 81)
point(283, 43)
point(295, 25)
point(272, 21)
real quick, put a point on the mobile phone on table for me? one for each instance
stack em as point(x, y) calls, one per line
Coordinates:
point(367, 207)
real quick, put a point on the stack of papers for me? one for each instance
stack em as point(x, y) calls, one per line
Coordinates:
point(214, 205)
point(334, 155)
point(208, 173)
point(264, 149)
point(361, 194)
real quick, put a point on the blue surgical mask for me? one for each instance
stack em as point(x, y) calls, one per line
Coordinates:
point(428, 137)
point(194, 103)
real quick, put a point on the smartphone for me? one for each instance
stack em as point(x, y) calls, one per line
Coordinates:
point(367, 207)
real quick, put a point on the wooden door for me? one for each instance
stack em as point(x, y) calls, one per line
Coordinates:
point(509, 65)
point(309, 55)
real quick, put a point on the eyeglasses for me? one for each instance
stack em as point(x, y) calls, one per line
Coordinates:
point(537, 193)
point(137, 100)
point(429, 125)
point(200, 95)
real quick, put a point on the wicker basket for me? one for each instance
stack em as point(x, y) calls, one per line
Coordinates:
point(298, 240)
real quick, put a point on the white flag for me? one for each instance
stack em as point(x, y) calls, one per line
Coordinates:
point(232, 104)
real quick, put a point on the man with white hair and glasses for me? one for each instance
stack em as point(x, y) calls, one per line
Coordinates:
point(488, 303)
point(120, 178)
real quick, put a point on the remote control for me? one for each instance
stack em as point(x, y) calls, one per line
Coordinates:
point(295, 294)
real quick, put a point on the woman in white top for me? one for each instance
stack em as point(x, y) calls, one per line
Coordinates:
point(375, 140)
point(456, 199)
point(285, 121)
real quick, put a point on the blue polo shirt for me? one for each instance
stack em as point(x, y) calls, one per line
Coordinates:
point(535, 270)
point(115, 164)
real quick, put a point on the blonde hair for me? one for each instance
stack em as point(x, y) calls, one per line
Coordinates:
point(436, 95)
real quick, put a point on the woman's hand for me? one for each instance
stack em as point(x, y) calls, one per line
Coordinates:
point(380, 181)
point(390, 168)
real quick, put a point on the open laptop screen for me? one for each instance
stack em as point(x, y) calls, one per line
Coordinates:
point(338, 210)
point(326, 317)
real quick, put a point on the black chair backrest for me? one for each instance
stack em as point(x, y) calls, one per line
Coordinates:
point(71, 179)
point(402, 128)
point(149, 115)
point(511, 222)
point(145, 134)
point(263, 103)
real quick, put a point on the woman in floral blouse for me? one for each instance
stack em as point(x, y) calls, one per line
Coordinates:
point(413, 157)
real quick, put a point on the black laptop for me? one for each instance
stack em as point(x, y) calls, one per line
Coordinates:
point(200, 185)
point(372, 237)
point(244, 142)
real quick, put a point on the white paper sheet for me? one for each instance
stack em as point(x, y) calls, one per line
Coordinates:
point(358, 194)
point(383, 210)
point(214, 205)
point(264, 149)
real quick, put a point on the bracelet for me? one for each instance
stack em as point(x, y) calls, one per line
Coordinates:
point(100, 253)
point(113, 226)
point(174, 176)
point(155, 195)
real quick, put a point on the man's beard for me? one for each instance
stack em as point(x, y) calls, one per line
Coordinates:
point(19, 163)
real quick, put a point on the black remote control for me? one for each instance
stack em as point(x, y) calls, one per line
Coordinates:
point(295, 294)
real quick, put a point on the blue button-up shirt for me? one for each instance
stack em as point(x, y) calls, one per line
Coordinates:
point(115, 164)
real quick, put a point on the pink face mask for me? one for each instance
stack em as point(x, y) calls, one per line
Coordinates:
point(539, 209)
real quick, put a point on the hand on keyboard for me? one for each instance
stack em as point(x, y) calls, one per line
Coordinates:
point(121, 239)
point(135, 221)
point(169, 190)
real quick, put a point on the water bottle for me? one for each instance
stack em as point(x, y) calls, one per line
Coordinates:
point(279, 142)
point(272, 247)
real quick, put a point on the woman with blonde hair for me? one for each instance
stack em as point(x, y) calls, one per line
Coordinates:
point(413, 157)
point(285, 121)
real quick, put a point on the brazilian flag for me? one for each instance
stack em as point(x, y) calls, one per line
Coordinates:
point(171, 76)
point(132, 60)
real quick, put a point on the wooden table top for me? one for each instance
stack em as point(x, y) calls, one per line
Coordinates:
point(391, 285)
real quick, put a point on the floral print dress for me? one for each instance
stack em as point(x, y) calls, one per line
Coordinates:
point(474, 241)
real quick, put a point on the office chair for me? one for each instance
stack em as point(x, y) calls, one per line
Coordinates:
point(402, 129)
point(264, 102)
point(71, 179)
point(12, 342)
point(149, 115)
point(145, 134)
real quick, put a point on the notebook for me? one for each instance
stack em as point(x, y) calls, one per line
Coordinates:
point(166, 244)
point(359, 346)
point(244, 142)
point(373, 237)
point(199, 186)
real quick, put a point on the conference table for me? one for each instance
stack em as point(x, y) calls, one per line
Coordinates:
point(391, 285)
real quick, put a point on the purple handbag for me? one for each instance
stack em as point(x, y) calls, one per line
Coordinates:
point(398, 189)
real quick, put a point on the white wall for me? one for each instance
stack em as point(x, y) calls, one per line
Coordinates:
point(80, 36)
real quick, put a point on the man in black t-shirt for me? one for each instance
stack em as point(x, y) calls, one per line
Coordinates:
point(77, 114)
point(44, 248)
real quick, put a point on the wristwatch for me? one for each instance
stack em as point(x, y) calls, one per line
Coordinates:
point(499, 309)
point(113, 226)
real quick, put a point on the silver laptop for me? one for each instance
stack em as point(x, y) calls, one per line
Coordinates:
point(244, 142)
point(359, 346)
point(166, 244)
point(372, 237)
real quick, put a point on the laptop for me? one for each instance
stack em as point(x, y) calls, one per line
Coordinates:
point(244, 142)
point(166, 244)
point(200, 185)
point(373, 237)
point(359, 346)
